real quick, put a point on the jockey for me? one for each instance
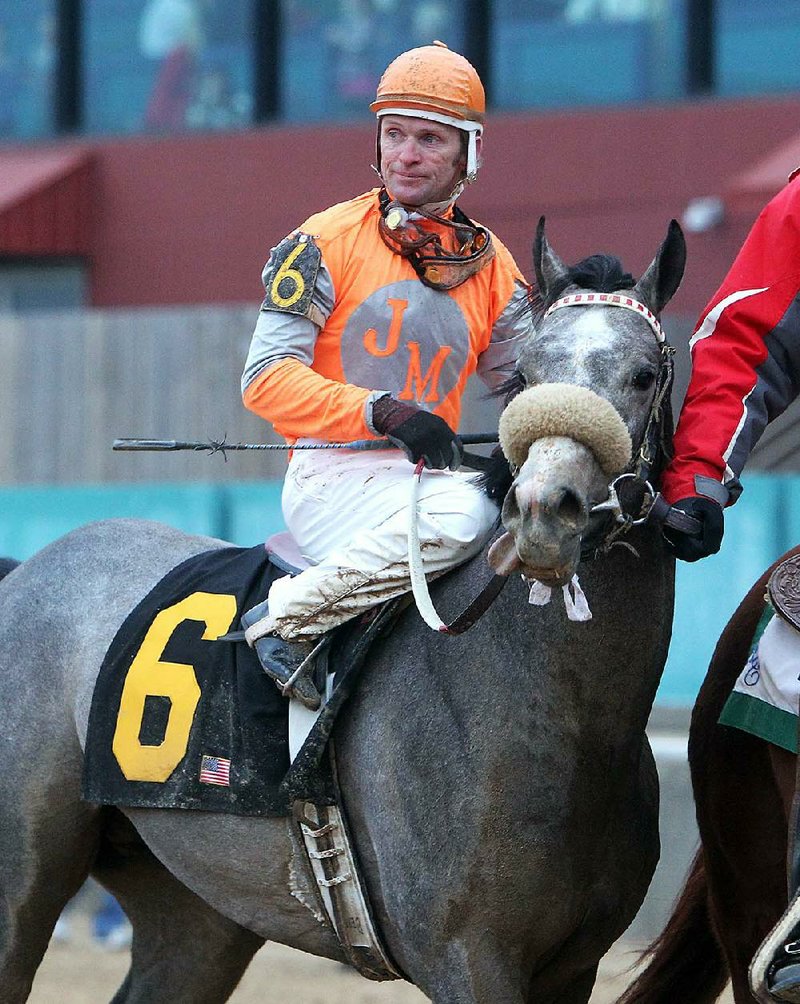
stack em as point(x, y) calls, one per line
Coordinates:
point(745, 372)
point(377, 311)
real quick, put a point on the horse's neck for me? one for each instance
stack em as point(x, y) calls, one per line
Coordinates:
point(605, 671)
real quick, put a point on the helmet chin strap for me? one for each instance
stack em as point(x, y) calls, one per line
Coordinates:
point(431, 208)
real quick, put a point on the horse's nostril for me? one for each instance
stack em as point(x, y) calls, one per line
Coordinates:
point(564, 504)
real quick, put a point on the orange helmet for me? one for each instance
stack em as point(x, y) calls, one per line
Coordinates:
point(433, 82)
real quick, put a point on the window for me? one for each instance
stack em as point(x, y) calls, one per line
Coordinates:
point(757, 46)
point(560, 53)
point(167, 65)
point(334, 51)
point(27, 68)
point(29, 285)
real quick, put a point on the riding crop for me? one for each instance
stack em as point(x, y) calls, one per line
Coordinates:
point(473, 460)
point(222, 445)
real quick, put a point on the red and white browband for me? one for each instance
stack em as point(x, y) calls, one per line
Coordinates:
point(609, 300)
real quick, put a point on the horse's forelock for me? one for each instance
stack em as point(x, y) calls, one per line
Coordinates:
point(602, 273)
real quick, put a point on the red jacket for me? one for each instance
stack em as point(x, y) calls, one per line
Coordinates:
point(745, 357)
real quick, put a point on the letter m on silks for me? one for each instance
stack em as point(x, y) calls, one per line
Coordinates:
point(416, 383)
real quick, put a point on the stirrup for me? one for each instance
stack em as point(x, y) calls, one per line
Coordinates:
point(304, 668)
point(774, 972)
point(782, 979)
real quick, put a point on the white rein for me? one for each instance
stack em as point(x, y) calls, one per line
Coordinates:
point(575, 601)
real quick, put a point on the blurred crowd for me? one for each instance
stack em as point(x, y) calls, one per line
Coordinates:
point(109, 926)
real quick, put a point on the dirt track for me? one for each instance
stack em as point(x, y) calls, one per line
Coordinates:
point(81, 973)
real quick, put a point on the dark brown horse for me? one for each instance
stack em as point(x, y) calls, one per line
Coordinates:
point(737, 886)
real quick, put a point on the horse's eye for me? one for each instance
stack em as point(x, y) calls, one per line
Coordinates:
point(643, 379)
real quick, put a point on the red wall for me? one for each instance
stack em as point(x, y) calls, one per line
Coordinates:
point(191, 219)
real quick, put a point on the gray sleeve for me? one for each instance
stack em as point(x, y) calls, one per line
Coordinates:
point(776, 387)
point(511, 329)
point(280, 334)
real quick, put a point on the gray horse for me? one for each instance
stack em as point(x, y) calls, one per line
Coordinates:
point(499, 784)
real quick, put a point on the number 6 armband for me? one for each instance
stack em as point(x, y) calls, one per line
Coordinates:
point(290, 276)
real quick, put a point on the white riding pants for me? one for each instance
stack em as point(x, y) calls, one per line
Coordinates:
point(349, 513)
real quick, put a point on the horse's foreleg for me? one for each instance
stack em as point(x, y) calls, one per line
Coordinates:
point(183, 951)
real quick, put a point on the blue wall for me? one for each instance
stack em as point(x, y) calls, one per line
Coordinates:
point(761, 526)
point(245, 513)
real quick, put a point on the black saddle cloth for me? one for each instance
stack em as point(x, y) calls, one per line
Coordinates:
point(181, 720)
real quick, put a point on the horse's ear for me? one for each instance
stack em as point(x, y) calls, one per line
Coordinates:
point(664, 273)
point(549, 268)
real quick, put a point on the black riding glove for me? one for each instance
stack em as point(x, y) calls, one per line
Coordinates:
point(693, 547)
point(421, 435)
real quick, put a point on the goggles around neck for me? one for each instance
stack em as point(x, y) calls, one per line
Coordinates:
point(435, 265)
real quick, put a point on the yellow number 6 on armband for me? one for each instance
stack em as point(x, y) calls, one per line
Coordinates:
point(150, 676)
point(293, 275)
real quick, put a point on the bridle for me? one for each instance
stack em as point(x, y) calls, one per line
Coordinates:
point(632, 500)
point(585, 299)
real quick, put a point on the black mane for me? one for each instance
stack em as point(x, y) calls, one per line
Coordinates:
point(602, 273)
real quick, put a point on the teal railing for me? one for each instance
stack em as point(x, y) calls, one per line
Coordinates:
point(763, 524)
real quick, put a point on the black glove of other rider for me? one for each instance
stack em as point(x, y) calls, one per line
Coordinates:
point(692, 547)
point(421, 435)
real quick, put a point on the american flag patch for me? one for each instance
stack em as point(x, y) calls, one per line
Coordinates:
point(215, 770)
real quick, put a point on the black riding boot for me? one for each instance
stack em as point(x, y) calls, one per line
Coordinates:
point(782, 978)
point(281, 659)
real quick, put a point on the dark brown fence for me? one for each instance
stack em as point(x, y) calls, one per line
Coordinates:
point(72, 382)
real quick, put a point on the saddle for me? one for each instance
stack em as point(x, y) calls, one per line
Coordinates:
point(783, 590)
point(183, 718)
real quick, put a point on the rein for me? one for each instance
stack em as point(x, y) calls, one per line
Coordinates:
point(638, 504)
point(419, 584)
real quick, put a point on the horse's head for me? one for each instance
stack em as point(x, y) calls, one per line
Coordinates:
point(593, 382)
